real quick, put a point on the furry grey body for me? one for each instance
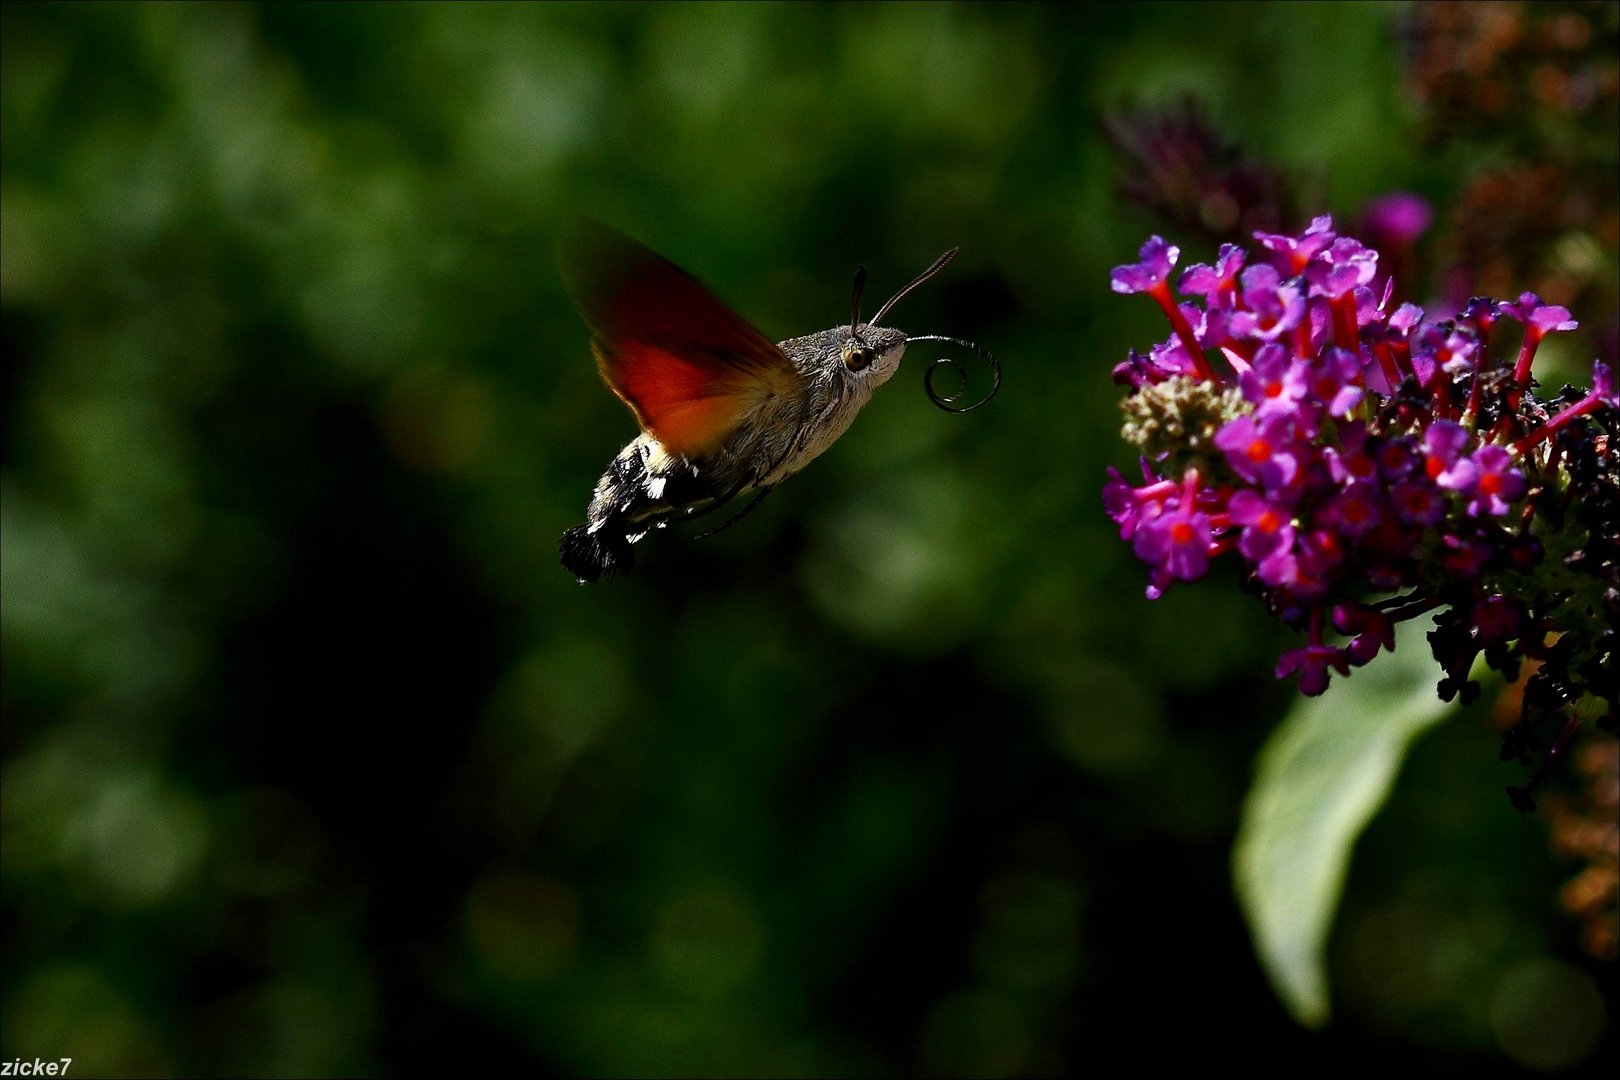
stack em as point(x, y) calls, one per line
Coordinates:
point(646, 487)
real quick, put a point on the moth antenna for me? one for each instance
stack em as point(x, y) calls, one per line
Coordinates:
point(948, 401)
point(855, 300)
point(939, 264)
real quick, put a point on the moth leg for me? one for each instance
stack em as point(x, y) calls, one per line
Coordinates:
point(738, 516)
point(692, 514)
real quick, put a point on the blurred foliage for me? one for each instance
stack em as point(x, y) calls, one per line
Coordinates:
point(1320, 778)
point(316, 763)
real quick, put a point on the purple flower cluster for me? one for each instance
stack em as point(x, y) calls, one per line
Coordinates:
point(1368, 465)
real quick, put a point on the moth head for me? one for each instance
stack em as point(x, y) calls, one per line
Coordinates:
point(873, 352)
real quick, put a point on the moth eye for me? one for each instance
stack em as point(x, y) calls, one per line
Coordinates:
point(857, 357)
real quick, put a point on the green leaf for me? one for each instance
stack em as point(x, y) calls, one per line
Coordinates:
point(1321, 776)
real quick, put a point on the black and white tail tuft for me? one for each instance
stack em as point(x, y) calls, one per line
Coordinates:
point(595, 556)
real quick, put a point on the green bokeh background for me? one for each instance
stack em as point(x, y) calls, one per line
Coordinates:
point(317, 763)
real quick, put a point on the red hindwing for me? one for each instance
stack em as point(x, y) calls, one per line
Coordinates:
point(689, 368)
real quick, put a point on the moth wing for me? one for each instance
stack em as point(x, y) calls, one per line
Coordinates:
point(690, 369)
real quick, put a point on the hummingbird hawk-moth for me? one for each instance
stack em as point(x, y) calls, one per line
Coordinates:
point(723, 411)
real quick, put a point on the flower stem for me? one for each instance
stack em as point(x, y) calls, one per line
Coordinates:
point(1344, 322)
point(1588, 404)
point(1527, 354)
point(1183, 329)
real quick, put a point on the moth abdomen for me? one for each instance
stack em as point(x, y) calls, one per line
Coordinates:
point(644, 488)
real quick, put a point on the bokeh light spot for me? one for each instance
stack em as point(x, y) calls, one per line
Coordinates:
point(1547, 1015)
point(523, 925)
point(137, 841)
point(72, 1010)
point(707, 941)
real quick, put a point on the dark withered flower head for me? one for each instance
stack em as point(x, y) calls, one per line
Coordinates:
point(1555, 228)
point(1585, 830)
point(1532, 91)
point(1540, 67)
point(1175, 164)
point(1369, 464)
